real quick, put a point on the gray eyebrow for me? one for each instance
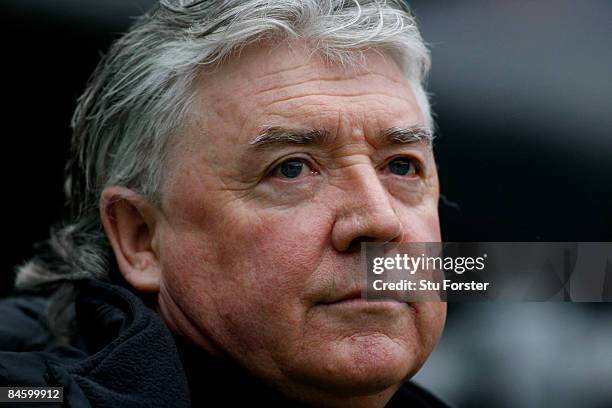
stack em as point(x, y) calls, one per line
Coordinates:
point(275, 136)
point(414, 134)
point(281, 136)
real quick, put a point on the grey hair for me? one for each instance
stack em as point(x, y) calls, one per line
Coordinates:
point(141, 93)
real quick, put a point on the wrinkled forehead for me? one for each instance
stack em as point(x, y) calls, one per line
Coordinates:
point(289, 84)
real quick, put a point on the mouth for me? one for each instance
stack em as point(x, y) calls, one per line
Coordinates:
point(354, 297)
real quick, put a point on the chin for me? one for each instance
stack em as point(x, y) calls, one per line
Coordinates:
point(363, 364)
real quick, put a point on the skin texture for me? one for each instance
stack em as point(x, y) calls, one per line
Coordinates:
point(254, 266)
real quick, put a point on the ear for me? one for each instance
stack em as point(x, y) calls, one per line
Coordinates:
point(130, 223)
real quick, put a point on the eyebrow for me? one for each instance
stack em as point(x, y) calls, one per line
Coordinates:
point(278, 136)
point(413, 134)
point(275, 136)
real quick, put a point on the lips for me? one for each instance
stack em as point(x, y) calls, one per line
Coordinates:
point(356, 295)
point(352, 295)
point(373, 298)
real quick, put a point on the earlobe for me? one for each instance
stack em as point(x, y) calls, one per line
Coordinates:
point(130, 224)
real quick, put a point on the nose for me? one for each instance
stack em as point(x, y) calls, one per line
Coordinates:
point(365, 213)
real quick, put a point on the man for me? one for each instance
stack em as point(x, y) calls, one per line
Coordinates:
point(229, 158)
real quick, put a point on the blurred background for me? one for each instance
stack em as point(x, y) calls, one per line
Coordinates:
point(523, 96)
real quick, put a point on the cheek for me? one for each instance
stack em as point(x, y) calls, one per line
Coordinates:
point(430, 320)
point(275, 250)
point(421, 223)
point(245, 274)
point(432, 314)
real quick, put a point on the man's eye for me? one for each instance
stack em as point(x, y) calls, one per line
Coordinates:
point(402, 166)
point(290, 169)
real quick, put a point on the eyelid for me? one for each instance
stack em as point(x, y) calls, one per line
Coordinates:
point(417, 162)
point(270, 171)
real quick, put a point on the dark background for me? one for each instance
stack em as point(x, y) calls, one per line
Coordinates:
point(523, 97)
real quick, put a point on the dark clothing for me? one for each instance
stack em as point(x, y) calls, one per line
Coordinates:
point(125, 356)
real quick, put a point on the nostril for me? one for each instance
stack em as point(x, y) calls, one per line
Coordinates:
point(355, 245)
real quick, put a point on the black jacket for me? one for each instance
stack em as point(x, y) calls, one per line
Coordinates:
point(125, 356)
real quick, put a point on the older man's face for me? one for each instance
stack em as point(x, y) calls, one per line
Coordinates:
point(285, 169)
